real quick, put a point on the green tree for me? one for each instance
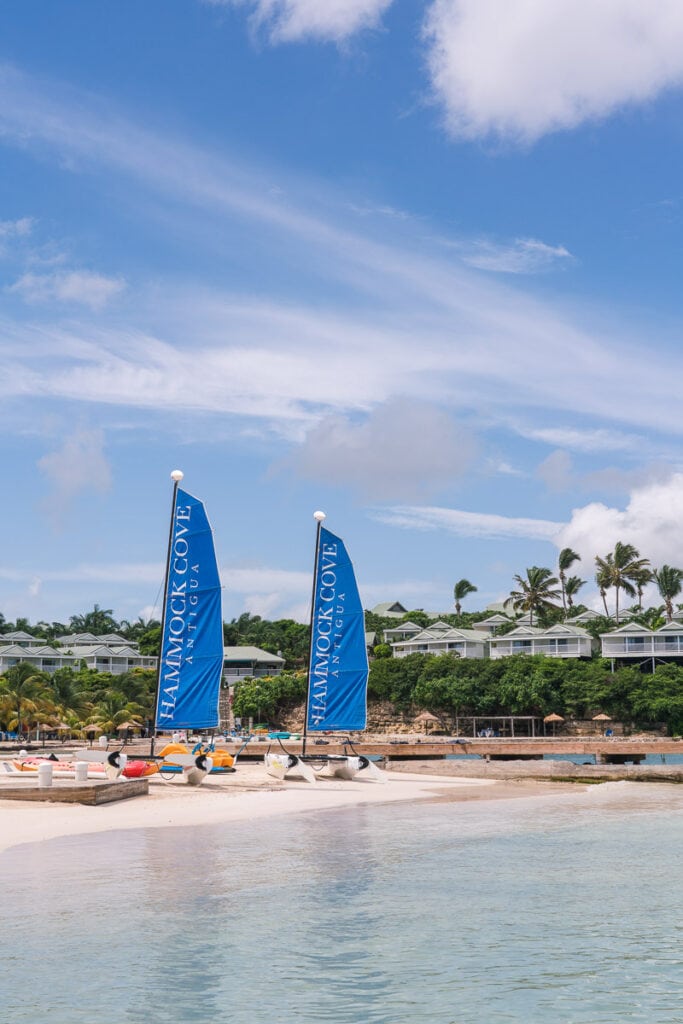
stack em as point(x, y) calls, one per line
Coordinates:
point(537, 593)
point(565, 561)
point(572, 586)
point(98, 621)
point(460, 591)
point(620, 569)
point(25, 686)
point(669, 582)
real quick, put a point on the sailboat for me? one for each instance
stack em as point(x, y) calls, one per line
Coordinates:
point(191, 656)
point(337, 667)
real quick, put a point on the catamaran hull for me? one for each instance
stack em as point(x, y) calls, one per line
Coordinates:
point(348, 766)
point(339, 766)
point(284, 765)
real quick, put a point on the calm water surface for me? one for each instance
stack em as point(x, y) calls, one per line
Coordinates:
point(565, 909)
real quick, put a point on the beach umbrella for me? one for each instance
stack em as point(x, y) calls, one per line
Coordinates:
point(554, 719)
point(602, 717)
point(92, 728)
point(426, 720)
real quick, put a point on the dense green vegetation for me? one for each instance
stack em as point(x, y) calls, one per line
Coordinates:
point(443, 684)
point(538, 685)
point(520, 685)
point(284, 637)
point(75, 698)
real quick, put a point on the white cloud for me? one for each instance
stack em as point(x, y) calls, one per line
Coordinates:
point(14, 231)
point(403, 450)
point(289, 21)
point(482, 344)
point(523, 256)
point(467, 524)
point(583, 439)
point(16, 228)
point(80, 465)
point(651, 521)
point(79, 286)
point(522, 68)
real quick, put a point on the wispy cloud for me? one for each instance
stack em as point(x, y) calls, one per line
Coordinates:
point(467, 524)
point(584, 439)
point(77, 286)
point(287, 21)
point(80, 465)
point(523, 256)
point(482, 342)
point(16, 228)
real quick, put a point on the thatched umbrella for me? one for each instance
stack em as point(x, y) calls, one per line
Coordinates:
point(45, 728)
point(602, 717)
point(554, 719)
point(427, 720)
point(90, 731)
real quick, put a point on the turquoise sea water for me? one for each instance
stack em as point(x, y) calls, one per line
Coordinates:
point(580, 758)
point(566, 908)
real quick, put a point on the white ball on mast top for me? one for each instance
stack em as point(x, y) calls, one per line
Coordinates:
point(319, 516)
point(177, 475)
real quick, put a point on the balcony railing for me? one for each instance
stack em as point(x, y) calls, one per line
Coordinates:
point(579, 648)
point(648, 646)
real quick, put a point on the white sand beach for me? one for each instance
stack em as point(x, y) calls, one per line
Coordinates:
point(247, 795)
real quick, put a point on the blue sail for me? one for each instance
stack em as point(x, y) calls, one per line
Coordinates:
point(191, 663)
point(338, 667)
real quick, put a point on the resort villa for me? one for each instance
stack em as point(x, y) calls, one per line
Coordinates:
point(114, 654)
point(108, 653)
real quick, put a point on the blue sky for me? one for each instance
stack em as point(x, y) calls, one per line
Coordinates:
point(413, 262)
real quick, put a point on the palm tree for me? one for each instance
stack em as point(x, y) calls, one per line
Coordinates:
point(460, 591)
point(620, 569)
point(565, 561)
point(572, 586)
point(536, 593)
point(669, 582)
point(641, 578)
point(98, 621)
point(22, 683)
point(603, 578)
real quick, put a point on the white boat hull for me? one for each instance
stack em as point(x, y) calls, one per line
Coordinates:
point(348, 766)
point(280, 765)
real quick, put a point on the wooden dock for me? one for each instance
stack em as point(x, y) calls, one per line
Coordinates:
point(605, 751)
point(66, 791)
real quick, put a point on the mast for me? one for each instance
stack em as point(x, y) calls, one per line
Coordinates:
point(319, 518)
point(176, 476)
